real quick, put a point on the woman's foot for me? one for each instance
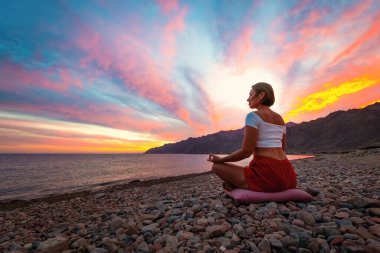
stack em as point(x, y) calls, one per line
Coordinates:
point(228, 187)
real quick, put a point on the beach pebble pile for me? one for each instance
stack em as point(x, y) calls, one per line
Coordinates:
point(195, 215)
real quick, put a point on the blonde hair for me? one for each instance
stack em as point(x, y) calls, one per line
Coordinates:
point(268, 99)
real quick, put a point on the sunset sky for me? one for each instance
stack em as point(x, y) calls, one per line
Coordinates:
point(125, 76)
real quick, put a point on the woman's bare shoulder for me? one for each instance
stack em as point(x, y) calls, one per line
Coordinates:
point(279, 119)
point(272, 117)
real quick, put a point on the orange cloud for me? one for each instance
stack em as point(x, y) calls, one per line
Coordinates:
point(34, 134)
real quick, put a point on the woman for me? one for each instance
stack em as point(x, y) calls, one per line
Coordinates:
point(264, 137)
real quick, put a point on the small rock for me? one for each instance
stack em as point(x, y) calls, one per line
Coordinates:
point(143, 247)
point(298, 222)
point(303, 238)
point(126, 239)
point(56, 244)
point(237, 228)
point(271, 205)
point(115, 224)
point(346, 205)
point(338, 239)
point(99, 195)
point(359, 202)
point(375, 230)
point(303, 250)
point(36, 244)
point(4, 239)
point(357, 220)
point(184, 235)
point(147, 235)
point(374, 246)
point(341, 215)
point(28, 246)
point(155, 247)
point(215, 230)
point(171, 243)
point(363, 233)
point(275, 243)
point(350, 236)
point(306, 217)
point(99, 250)
point(374, 211)
point(82, 242)
point(264, 245)
point(288, 241)
point(329, 231)
point(313, 246)
point(343, 222)
point(323, 245)
point(187, 203)
point(151, 228)
point(312, 191)
point(202, 222)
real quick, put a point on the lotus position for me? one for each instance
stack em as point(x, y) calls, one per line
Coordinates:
point(264, 138)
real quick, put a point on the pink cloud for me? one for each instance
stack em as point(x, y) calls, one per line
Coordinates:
point(108, 115)
point(300, 6)
point(15, 77)
point(241, 48)
point(309, 40)
point(168, 6)
point(174, 26)
point(370, 33)
point(133, 61)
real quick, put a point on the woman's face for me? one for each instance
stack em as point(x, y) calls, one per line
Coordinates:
point(253, 100)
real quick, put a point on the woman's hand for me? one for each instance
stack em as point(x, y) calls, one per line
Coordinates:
point(214, 158)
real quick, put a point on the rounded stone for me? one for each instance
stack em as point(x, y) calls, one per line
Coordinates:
point(306, 217)
point(99, 250)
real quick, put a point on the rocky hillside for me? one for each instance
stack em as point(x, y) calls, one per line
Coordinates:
point(339, 131)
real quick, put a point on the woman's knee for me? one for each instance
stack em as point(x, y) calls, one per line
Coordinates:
point(214, 167)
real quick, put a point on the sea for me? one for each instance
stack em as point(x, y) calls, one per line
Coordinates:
point(30, 176)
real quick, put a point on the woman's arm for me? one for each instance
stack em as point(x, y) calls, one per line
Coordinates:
point(248, 146)
point(284, 142)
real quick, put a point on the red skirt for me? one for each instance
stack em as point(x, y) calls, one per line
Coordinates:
point(265, 174)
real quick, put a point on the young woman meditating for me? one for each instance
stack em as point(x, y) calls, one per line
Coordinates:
point(264, 137)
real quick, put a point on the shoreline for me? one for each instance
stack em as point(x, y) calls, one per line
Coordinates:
point(10, 204)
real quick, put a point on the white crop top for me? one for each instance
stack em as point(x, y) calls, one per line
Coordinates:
point(270, 135)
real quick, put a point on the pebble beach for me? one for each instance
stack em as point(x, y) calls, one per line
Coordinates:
point(193, 214)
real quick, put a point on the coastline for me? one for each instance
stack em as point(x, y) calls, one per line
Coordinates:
point(10, 204)
point(191, 213)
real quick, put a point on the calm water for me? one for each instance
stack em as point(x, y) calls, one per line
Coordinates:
point(30, 176)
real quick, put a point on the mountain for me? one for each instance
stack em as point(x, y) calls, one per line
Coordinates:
point(221, 142)
point(338, 131)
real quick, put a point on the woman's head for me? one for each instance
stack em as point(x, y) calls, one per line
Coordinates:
point(265, 92)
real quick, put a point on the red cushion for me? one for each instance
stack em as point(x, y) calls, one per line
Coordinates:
point(247, 196)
